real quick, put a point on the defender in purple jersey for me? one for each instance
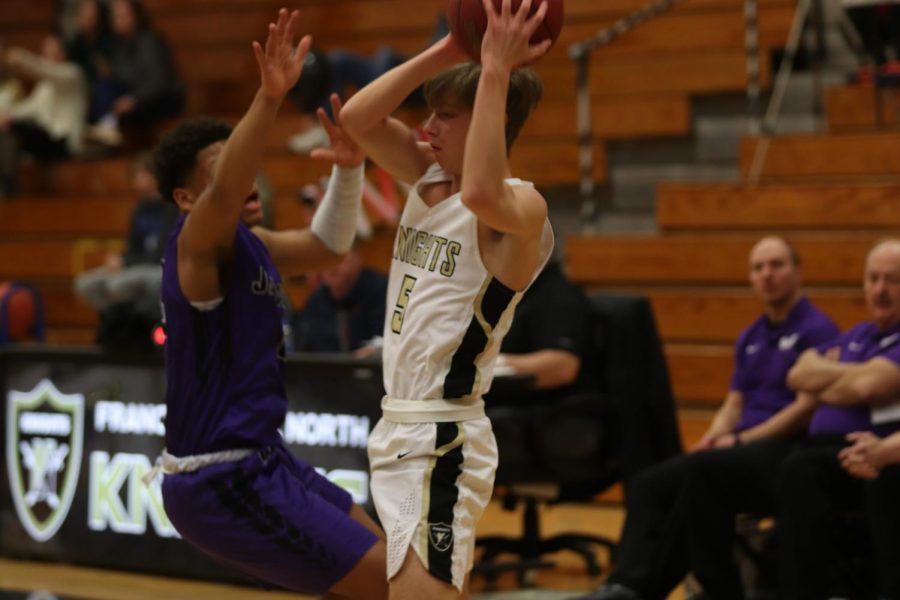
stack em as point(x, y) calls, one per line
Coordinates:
point(232, 489)
point(803, 483)
point(652, 552)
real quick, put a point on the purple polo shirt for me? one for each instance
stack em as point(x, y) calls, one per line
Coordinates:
point(765, 352)
point(860, 344)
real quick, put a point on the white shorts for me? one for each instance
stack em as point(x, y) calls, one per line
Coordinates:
point(431, 483)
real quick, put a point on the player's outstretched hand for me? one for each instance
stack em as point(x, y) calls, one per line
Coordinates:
point(343, 151)
point(280, 62)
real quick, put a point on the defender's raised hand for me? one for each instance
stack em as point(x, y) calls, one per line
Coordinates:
point(280, 62)
point(343, 151)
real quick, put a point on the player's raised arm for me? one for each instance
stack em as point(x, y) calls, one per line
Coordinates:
point(367, 115)
point(209, 230)
point(505, 46)
point(330, 236)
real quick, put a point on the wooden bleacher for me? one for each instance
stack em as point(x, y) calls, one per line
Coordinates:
point(856, 157)
point(831, 194)
point(641, 86)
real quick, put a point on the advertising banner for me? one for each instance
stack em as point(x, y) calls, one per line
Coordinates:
point(81, 429)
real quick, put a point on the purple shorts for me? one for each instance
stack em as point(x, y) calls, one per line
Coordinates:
point(272, 516)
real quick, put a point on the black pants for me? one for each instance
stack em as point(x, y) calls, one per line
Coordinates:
point(650, 557)
point(814, 489)
point(883, 512)
point(722, 485)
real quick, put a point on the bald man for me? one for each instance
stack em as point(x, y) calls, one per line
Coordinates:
point(857, 382)
point(651, 557)
point(852, 383)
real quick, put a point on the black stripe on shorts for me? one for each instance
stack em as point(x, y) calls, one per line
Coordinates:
point(443, 495)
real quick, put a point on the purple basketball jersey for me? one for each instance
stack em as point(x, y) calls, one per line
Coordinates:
point(224, 366)
point(765, 353)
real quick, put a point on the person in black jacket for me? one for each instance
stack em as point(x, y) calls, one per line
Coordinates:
point(144, 72)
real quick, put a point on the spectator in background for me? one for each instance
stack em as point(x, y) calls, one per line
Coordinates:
point(549, 340)
point(857, 381)
point(131, 281)
point(760, 416)
point(878, 25)
point(849, 381)
point(90, 46)
point(341, 72)
point(49, 123)
point(345, 313)
point(144, 71)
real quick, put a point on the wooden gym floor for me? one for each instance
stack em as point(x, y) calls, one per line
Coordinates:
point(19, 579)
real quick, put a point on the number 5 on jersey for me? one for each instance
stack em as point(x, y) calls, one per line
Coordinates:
point(406, 288)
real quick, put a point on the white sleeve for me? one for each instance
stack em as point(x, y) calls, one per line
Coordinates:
point(335, 219)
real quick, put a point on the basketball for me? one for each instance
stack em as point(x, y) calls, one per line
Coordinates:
point(468, 21)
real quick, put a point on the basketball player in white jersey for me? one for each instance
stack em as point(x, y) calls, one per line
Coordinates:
point(470, 242)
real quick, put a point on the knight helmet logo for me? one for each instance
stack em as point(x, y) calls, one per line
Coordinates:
point(44, 435)
point(441, 536)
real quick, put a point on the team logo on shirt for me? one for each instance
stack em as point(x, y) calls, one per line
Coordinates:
point(44, 438)
point(441, 536)
point(751, 348)
point(786, 342)
point(887, 341)
point(265, 285)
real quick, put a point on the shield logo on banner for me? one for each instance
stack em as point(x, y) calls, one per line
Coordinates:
point(44, 440)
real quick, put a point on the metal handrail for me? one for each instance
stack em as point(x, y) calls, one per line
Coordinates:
point(770, 120)
point(580, 52)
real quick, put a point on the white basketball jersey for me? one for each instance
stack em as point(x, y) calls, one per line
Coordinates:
point(446, 315)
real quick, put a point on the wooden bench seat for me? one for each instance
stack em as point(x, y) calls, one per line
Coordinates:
point(700, 374)
point(717, 206)
point(79, 176)
point(66, 217)
point(53, 259)
point(717, 315)
point(714, 259)
point(854, 157)
point(613, 117)
point(852, 107)
point(64, 308)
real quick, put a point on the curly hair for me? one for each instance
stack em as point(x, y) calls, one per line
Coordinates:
point(175, 158)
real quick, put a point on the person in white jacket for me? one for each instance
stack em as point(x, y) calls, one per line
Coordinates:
point(48, 123)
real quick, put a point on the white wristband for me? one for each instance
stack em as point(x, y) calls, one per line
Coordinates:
point(334, 221)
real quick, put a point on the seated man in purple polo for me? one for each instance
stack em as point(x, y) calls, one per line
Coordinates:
point(847, 381)
point(652, 556)
point(857, 381)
